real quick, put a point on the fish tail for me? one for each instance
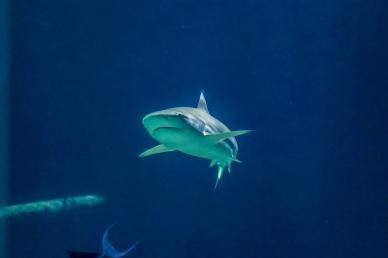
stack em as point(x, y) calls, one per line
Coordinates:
point(109, 250)
point(219, 175)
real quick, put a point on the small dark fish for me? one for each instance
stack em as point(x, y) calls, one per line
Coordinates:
point(73, 254)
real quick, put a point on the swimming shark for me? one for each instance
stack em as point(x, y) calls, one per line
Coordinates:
point(193, 131)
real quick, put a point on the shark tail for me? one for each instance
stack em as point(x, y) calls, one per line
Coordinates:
point(219, 175)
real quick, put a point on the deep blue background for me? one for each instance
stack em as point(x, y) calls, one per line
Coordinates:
point(310, 77)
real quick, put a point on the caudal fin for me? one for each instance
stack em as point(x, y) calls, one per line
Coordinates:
point(219, 175)
point(109, 250)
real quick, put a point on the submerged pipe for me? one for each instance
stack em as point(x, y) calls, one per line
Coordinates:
point(50, 205)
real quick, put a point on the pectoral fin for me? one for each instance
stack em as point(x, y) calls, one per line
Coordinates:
point(155, 150)
point(219, 137)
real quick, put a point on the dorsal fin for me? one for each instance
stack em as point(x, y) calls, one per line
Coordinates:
point(202, 103)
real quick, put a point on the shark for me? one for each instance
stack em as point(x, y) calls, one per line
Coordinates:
point(193, 131)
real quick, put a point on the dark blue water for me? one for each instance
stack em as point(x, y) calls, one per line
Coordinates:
point(310, 77)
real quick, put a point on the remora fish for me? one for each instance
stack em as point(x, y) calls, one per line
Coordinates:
point(195, 132)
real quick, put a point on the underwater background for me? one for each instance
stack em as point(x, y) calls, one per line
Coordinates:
point(309, 77)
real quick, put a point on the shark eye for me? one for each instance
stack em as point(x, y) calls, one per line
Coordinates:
point(198, 124)
point(183, 117)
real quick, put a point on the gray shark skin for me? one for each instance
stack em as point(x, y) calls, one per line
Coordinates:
point(195, 132)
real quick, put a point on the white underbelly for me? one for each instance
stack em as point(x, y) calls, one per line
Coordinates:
point(213, 152)
point(191, 143)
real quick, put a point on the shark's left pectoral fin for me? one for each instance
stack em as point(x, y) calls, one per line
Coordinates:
point(219, 137)
point(155, 150)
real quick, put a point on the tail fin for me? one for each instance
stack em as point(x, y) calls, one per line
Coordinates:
point(109, 250)
point(219, 175)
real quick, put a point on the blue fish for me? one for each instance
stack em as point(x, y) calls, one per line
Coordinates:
point(108, 250)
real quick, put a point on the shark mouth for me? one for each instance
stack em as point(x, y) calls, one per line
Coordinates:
point(166, 127)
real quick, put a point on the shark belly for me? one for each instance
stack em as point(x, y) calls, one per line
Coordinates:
point(172, 138)
point(199, 149)
point(192, 143)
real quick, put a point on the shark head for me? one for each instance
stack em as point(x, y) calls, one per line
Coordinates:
point(195, 132)
point(162, 120)
point(167, 126)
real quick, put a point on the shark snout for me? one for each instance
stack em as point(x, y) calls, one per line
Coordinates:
point(157, 120)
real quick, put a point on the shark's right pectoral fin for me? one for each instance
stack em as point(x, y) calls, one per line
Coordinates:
point(219, 137)
point(155, 150)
